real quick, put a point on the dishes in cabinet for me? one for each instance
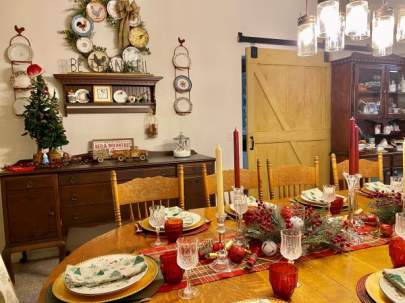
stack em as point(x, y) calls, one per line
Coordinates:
point(82, 96)
point(120, 96)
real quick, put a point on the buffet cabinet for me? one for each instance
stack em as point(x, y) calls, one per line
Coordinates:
point(372, 90)
point(39, 207)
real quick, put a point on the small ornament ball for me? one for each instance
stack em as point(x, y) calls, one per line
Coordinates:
point(269, 248)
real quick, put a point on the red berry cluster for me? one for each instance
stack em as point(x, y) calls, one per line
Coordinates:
point(263, 217)
point(339, 241)
point(312, 217)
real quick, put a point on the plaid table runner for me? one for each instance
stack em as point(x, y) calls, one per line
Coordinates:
point(204, 274)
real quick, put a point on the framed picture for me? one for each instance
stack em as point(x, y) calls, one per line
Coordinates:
point(112, 144)
point(7, 293)
point(102, 94)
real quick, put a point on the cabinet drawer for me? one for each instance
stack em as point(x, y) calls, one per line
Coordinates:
point(129, 174)
point(29, 182)
point(85, 178)
point(87, 215)
point(32, 215)
point(194, 169)
point(86, 194)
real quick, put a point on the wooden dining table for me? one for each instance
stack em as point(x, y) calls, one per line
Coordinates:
point(330, 279)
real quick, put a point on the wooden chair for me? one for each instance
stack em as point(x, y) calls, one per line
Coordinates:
point(249, 179)
point(367, 168)
point(289, 181)
point(148, 191)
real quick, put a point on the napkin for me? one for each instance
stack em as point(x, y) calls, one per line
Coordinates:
point(313, 194)
point(177, 212)
point(396, 278)
point(377, 186)
point(104, 271)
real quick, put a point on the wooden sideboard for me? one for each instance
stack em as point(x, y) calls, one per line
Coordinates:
point(39, 207)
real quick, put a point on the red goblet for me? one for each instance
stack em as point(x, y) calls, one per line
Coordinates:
point(173, 229)
point(172, 273)
point(283, 279)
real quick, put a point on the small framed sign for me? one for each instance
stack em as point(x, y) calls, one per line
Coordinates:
point(112, 144)
point(102, 94)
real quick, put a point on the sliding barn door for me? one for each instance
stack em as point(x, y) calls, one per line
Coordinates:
point(288, 110)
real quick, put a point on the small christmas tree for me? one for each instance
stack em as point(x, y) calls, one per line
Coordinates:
point(42, 119)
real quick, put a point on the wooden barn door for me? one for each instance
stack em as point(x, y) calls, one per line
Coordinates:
point(288, 110)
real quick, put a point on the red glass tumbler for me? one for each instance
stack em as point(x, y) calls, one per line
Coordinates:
point(336, 206)
point(283, 279)
point(173, 229)
point(172, 273)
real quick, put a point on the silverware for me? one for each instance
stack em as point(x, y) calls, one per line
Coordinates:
point(138, 228)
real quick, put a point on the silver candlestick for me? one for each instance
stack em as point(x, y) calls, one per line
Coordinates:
point(221, 264)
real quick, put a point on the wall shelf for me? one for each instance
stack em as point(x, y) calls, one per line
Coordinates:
point(134, 84)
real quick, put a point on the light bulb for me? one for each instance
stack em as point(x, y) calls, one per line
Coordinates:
point(357, 20)
point(306, 36)
point(401, 25)
point(328, 18)
point(383, 31)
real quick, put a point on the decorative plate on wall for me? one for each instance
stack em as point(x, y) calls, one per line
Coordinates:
point(19, 52)
point(139, 37)
point(98, 61)
point(84, 45)
point(183, 105)
point(112, 9)
point(96, 11)
point(82, 26)
point(181, 61)
point(182, 84)
point(131, 54)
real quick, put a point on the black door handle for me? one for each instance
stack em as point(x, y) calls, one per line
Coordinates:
point(252, 144)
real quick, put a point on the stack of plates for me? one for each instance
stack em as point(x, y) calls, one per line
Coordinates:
point(190, 220)
point(381, 290)
point(377, 187)
point(97, 279)
point(313, 197)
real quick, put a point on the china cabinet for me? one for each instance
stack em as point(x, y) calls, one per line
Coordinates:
point(372, 90)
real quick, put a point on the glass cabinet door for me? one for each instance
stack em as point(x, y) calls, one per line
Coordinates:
point(369, 93)
point(396, 91)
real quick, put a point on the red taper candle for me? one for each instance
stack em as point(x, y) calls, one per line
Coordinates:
point(352, 152)
point(236, 163)
point(356, 149)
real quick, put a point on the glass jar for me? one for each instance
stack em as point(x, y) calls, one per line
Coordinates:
point(306, 36)
point(182, 148)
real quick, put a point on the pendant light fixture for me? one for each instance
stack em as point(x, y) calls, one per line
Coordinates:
point(336, 41)
point(328, 18)
point(306, 34)
point(383, 30)
point(357, 20)
point(401, 25)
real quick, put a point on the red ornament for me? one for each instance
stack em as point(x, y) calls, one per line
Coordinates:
point(34, 70)
point(286, 212)
point(255, 247)
point(386, 230)
point(370, 219)
point(217, 246)
point(236, 253)
point(397, 251)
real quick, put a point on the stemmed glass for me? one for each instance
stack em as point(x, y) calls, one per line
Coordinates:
point(396, 184)
point(240, 205)
point(291, 247)
point(157, 219)
point(187, 258)
point(329, 195)
point(400, 224)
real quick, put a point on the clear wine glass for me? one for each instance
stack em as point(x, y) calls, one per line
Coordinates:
point(187, 258)
point(240, 205)
point(157, 220)
point(291, 247)
point(396, 184)
point(329, 195)
point(400, 224)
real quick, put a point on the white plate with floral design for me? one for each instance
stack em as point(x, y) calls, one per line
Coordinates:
point(105, 275)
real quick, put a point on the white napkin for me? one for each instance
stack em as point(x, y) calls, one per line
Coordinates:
point(313, 194)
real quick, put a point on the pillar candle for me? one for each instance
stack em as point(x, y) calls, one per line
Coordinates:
point(220, 181)
point(236, 163)
point(351, 146)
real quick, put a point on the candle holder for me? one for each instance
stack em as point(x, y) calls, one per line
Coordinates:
point(353, 183)
point(221, 264)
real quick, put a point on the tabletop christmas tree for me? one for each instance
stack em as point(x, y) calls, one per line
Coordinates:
point(42, 119)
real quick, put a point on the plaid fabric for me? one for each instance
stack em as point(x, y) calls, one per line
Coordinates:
point(204, 274)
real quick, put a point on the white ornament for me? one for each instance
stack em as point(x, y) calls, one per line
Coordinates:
point(269, 248)
point(297, 222)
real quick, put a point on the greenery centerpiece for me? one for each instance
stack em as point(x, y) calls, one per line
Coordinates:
point(385, 206)
point(43, 122)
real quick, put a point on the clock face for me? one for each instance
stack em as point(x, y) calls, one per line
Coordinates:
point(139, 37)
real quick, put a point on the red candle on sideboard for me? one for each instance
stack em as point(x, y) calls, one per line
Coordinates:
point(352, 152)
point(356, 149)
point(236, 163)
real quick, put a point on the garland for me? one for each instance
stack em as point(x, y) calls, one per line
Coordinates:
point(71, 37)
point(386, 206)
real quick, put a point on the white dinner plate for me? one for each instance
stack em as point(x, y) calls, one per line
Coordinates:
point(390, 291)
point(19, 52)
point(107, 288)
point(120, 96)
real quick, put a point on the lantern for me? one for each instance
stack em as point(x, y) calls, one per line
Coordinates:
point(383, 31)
point(328, 18)
point(357, 20)
point(306, 36)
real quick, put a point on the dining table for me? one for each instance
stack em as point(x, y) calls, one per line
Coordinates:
point(327, 279)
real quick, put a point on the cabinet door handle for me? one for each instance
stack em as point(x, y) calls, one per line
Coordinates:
point(75, 218)
point(252, 140)
point(74, 197)
point(72, 180)
point(51, 213)
point(29, 184)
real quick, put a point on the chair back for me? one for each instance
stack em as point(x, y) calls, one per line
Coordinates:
point(289, 180)
point(249, 179)
point(146, 191)
point(367, 168)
